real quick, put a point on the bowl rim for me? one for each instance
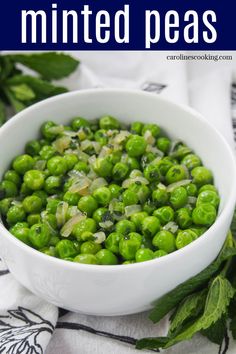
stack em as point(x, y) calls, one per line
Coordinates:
point(4, 232)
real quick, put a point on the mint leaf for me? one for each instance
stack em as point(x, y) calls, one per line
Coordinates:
point(49, 65)
point(217, 302)
point(190, 307)
point(217, 331)
point(42, 89)
point(2, 113)
point(22, 92)
point(169, 301)
point(152, 343)
point(17, 105)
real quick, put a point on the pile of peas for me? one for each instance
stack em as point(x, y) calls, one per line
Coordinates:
point(97, 192)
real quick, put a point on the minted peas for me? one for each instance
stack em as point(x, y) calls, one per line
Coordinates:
point(105, 193)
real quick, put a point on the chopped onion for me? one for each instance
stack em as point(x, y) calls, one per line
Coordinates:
point(135, 173)
point(171, 226)
point(70, 133)
point(86, 144)
point(174, 185)
point(154, 150)
point(62, 209)
point(99, 237)
point(121, 137)
point(45, 221)
point(56, 129)
point(81, 134)
point(97, 183)
point(156, 160)
point(149, 137)
point(106, 224)
point(82, 155)
point(161, 186)
point(174, 144)
point(105, 151)
point(92, 160)
point(76, 174)
point(62, 144)
point(40, 165)
point(132, 209)
point(192, 200)
point(80, 186)
point(69, 225)
point(16, 202)
point(92, 174)
point(126, 183)
point(186, 170)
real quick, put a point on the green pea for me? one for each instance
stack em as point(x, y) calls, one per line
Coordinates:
point(178, 197)
point(32, 204)
point(42, 195)
point(147, 158)
point(13, 177)
point(153, 128)
point(102, 195)
point(101, 215)
point(47, 131)
point(39, 235)
point(8, 189)
point(23, 163)
point(118, 209)
point(160, 197)
point(151, 173)
point(115, 190)
point(199, 230)
point(184, 238)
point(141, 190)
point(90, 247)
point(71, 198)
point(191, 189)
point(120, 171)
point(208, 197)
point(144, 254)
point(176, 173)
point(135, 146)
point(86, 259)
point(47, 152)
point(82, 166)
point(112, 242)
point(129, 197)
point(87, 236)
point(71, 160)
point(78, 123)
point(53, 184)
point(165, 214)
point(34, 179)
point(183, 218)
point(21, 232)
point(180, 151)
point(108, 122)
point(15, 214)
point(103, 167)
point(150, 226)
point(159, 253)
point(57, 165)
point(66, 248)
point(33, 219)
point(204, 214)
point(136, 128)
point(101, 137)
point(201, 175)
point(5, 205)
point(49, 251)
point(115, 157)
point(54, 240)
point(164, 165)
point(164, 240)
point(208, 187)
point(52, 205)
point(138, 218)
point(24, 190)
point(87, 204)
point(129, 245)
point(129, 262)
point(149, 207)
point(124, 227)
point(163, 144)
point(33, 147)
point(84, 225)
point(191, 161)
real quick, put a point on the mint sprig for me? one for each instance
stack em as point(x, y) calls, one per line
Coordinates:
point(203, 304)
point(19, 91)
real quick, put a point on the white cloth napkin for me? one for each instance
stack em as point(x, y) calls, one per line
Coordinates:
point(26, 322)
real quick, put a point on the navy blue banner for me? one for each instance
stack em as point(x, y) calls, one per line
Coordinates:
point(117, 25)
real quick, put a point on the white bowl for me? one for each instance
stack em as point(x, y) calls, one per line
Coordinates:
point(124, 289)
